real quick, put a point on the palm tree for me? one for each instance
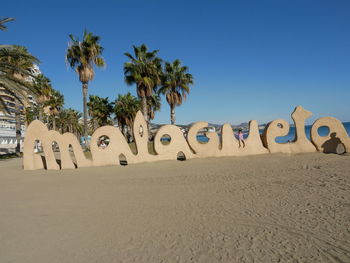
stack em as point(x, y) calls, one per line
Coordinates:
point(82, 56)
point(3, 21)
point(8, 53)
point(125, 109)
point(54, 105)
point(15, 68)
point(175, 85)
point(74, 123)
point(15, 65)
point(43, 90)
point(31, 113)
point(144, 70)
point(154, 104)
point(100, 110)
point(68, 120)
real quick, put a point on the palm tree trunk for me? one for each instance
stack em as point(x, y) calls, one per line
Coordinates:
point(53, 122)
point(18, 126)
point(85, 92)
point(40, 113)
point(122, 129)
point(145, 114)
point(172, 113)
point(95, 125)
point(129, 134)
point(144, 108)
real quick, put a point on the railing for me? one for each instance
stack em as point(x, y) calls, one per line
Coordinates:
point(10, 147)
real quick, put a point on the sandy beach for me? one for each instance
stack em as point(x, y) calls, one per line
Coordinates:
point(268, 208)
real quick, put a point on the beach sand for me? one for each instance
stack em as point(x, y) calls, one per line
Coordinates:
point(268, 208)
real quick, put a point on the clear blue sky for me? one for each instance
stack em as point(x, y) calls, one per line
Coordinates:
point(250, 59)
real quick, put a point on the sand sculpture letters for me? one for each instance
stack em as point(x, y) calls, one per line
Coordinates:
point(190, 147)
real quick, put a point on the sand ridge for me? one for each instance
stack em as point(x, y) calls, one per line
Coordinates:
point(268, 208)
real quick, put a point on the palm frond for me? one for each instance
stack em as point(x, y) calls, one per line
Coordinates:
point(5, 20)
point(3, 106)
point(83, 55)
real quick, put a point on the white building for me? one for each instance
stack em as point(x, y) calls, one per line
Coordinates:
point(8, 140)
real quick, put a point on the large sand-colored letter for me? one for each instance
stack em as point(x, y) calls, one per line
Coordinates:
point(117, 146)
point(140, 132)
point(230, 145)
point(38, 131)
point(280, 127)
point(209, 149)
point(177, 143)
point(32, 160)
point(337, 135)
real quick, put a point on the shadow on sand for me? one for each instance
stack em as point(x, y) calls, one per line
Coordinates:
point(331, 145)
